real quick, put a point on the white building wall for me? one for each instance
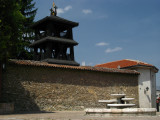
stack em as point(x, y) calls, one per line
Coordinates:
point(147, 78)
point(145, 100)
point(153, 88)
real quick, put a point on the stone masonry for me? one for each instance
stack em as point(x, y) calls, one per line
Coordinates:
point(42, 88)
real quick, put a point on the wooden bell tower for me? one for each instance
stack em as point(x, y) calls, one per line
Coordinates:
point(54, 40)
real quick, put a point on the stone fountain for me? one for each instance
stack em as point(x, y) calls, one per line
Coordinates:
point(119, 106)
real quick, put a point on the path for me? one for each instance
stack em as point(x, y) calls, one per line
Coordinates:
point(71, 115)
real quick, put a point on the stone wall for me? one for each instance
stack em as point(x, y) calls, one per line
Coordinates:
point(6, 108)
point(33, 88)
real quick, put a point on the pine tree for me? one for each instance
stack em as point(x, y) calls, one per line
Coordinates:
point(16, 16)
point(29, 11)
point(11, 23)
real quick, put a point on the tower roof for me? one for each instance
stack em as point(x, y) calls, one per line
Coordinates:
point(55, 19)
point(54, 39)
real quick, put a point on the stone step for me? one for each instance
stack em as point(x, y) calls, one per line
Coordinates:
point(108, 101)
point(127, 99)
point(120, 105)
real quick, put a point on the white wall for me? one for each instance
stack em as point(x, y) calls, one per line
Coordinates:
point(153, 88)
point(144, 82)
point(147, 78)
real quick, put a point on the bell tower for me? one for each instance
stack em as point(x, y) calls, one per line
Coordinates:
point(54, 41)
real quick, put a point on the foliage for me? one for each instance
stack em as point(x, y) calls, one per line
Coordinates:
point(29, 12)
point(16, 16)
point(11, 23)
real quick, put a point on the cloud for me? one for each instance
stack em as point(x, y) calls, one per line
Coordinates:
point(87, 11)
point(67, 8)
point(63, 10)
point(60, 11)
point(109, 50)
point(102, 44)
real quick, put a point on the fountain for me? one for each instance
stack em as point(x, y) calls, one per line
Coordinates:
point(119, 106)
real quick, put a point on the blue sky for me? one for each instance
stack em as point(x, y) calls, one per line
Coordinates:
point(111, 30)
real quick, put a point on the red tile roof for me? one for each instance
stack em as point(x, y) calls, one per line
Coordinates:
point(125, 64)
point(87, 68)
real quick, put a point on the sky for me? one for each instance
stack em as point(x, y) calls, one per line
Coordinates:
point(111, 30)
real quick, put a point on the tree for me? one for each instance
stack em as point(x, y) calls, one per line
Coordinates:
point(16, 16)
point(11, 23)
point(29, 12)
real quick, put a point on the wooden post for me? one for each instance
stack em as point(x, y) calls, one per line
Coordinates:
point(70, 33)
point(72, 52)
point(49, 50)
point(35, 53)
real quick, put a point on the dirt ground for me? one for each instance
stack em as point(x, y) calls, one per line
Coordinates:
point(72, 115)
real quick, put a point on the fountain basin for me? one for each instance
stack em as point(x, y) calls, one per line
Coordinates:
point(120, 105)
point(120, 112)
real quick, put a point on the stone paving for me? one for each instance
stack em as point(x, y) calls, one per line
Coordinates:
point(72, 115)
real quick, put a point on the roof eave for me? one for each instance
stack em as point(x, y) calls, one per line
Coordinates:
point(96, 69)
point(51, 39)
point(54, 18)
point(153, 67)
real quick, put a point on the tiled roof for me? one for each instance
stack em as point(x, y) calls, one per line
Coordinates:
point(86, 68)
point(125, 64)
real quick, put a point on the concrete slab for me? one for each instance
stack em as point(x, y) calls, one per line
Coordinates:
point(127, 99)
point(108, 101)
point(118, 95)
